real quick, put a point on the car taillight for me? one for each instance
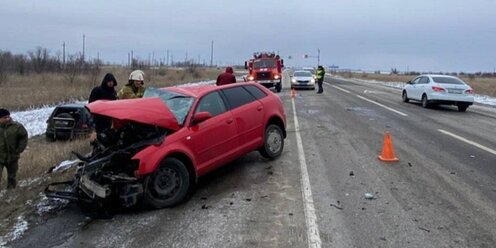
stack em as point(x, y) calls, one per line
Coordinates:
point(437, 89)
point(469, 91)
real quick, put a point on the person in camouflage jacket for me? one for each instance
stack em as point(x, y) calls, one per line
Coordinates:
point(13, 141)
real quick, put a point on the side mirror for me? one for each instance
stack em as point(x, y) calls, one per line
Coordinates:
point(409, 82)
point(246, 65)
point(282, 62)
point(201, 117)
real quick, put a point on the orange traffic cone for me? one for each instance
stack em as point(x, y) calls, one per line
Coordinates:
point(293, 93)
point(387, 154)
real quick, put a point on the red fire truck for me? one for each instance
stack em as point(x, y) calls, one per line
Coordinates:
point(265, 68)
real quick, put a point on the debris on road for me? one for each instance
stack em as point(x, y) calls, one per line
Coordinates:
point(472, 156)
point(203, 198)
point(409, 164)
point(369, 196)
point(336, 206)
point(352, 174)
point(248, 199)
point(424, 229)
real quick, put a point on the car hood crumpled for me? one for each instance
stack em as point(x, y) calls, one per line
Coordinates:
point(150, 111)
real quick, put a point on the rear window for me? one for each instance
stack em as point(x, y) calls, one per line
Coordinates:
point(256, 92)
point(447, 80)
point(238, 96)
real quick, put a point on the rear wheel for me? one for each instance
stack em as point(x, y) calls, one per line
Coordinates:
point(425, 101)
point(462, 107)
point(168, 185)
point(273, 142)
point(404, 96)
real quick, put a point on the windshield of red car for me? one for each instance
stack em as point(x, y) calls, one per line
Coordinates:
point(178, 104)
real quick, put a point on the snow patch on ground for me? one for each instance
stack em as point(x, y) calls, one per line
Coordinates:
point(18, 230)
point(46, 205)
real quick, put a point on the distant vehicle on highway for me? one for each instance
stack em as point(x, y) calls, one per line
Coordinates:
point(69, 121)
point(439, 89)
point(311, 70)
point(302, 79)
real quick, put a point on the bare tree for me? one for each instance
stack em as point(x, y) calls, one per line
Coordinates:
point(73, 67)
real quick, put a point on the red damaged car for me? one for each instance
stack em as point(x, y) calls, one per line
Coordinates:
point(162, 143)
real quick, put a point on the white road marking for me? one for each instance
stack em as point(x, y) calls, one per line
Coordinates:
point(366, 99)
point(382, 105)
point(341, 89)
point(310, 217)
point(468, 141)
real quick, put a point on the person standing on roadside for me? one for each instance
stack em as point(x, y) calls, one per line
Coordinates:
point(227, 77)
point(134, 88)
point(106, 91)
point(320, 78)
point(13, 141)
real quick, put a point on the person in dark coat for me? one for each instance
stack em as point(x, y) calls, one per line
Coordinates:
point(13, 141)
point(226, 77)
point(106, 91)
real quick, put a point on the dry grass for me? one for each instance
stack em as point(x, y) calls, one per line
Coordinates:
point(21, 92)
point(482, 86)
point(32, 178)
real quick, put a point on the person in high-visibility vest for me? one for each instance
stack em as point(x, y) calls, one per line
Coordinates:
point(320, 78)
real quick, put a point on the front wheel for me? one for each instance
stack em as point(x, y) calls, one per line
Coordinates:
point(273, 142)
point(278, 87)
point(168, 185)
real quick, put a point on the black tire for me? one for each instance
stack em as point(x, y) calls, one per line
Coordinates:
point(462, 107)
point(425, 101)
point(273, 142)
point(278, 87)
point(404, 97)
point(168, 185)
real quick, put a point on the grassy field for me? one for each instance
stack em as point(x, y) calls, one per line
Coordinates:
point(22, 92)
point(482, 86)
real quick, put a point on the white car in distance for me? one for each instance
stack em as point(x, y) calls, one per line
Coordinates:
point(439, 89)
point(302, 79)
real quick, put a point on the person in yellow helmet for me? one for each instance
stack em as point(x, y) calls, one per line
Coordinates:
point(134, 88)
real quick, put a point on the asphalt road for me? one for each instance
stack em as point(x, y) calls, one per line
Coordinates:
point(442, 193)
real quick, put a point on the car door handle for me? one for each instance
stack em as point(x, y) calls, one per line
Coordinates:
point(259, 108)
point(229, 121)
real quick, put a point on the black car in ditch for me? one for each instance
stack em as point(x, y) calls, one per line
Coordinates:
point(69, 121)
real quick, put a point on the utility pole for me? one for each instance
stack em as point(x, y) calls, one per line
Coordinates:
point(167, 57)
point(318, 56)
point(63, 55)
point(84, 37)
point(212, 54)
point(128, 59)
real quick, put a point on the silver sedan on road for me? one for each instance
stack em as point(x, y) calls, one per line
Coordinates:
point(439, 89)
point(302, 79)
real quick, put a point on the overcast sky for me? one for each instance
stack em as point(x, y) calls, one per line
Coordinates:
point(422, 35)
